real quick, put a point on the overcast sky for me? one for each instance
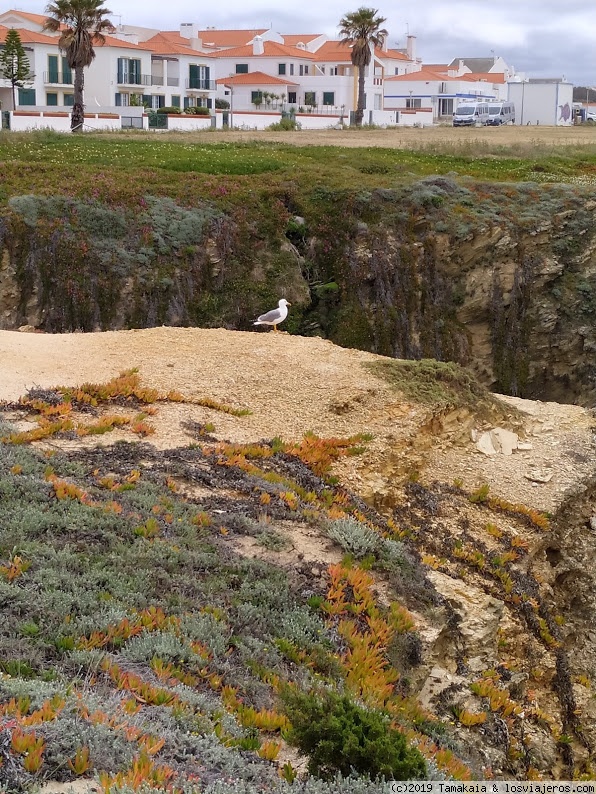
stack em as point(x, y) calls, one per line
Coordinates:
point(543, 38)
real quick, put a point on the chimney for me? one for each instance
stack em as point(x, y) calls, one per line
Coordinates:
point(411, 47)
point(384, 46)
point(258, 48)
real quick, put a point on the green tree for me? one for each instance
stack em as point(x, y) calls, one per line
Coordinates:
point(81, 24)
point(339, 735)
point(14, 64)
point(360, 30)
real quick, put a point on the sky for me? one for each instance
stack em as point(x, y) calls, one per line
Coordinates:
point(541, 38)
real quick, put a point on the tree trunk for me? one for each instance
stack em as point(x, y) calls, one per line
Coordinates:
point(361, 96)
point(77, 117)
point(14, 97)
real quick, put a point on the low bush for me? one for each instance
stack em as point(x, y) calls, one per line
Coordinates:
point(353, 536)
point(339, 736)
point(169, 110)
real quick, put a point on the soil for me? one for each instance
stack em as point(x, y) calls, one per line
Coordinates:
point(293, 385)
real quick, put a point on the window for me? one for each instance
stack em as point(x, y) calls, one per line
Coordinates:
point(51, 99)
point(241, 68)
point(198, 77)
point(322, 68)
point(256, 97)
point(175, 101)
point(397, 70)
point(27, 96)
point(378, 102)
point(129, 71)
point(52, 68)
point(68, 100)
point(329, 97)
point(292, 97)
point(303, 69)
point(413, 102)
point(158, 101)
point(122, 100)
point(291, 68)
point(310, 98)
point(281, 68)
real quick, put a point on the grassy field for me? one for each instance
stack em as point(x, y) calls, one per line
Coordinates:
point(50, 162)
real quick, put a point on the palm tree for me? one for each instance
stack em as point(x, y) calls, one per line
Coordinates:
point(360, 30)
point(81, 24)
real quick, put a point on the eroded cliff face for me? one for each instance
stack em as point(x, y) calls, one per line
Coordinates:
point(501, 278)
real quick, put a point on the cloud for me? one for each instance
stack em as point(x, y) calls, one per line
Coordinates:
point(543, 38)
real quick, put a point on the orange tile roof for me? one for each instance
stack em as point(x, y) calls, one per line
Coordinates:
point(112, 41)
point(394, 55)
point(423, 76)
point(292, 39)
point(490, 77)
point(271, 50)
point(333, 51)
point(228, 38)
point(28, 36)
point(167, 45)
point(254, 78)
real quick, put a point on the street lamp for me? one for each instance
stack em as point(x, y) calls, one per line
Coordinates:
point(231, 116)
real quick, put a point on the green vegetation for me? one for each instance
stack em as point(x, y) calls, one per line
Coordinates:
point(340, 736)
point(445, 385)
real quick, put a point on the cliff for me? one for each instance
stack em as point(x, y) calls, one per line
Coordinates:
point(499, 277)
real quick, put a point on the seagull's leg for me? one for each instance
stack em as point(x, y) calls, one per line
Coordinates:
point(275, 327)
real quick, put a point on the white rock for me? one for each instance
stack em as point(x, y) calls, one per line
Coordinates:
point(593, 523)
point(485, 444)
point(504, 440)
point(524, 445)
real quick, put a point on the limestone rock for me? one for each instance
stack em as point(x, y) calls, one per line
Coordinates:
point(504, 440)
point(485, 444)
point(539, 475)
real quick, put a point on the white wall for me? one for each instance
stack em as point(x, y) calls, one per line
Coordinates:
point(26, 121)
point(260, 121)
point(541, 103)
point(188, 123)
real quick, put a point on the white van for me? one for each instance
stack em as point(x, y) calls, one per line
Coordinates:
point(501, 113)
point(471, 114)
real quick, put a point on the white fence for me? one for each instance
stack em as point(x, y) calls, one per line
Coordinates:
point(29, 120)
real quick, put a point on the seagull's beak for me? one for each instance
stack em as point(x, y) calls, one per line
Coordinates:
point(288, 303)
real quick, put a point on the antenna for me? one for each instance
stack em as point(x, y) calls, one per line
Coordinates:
point(407, 28)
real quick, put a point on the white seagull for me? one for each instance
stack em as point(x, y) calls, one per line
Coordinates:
point(275, 316)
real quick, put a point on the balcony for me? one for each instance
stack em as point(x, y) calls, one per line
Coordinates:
point(158, 79)
point(198, 84)
point(55, 78)
point(134, 79)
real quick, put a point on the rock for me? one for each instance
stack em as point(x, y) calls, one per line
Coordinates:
point(593, 523)
point(524, 446)
point(439, 679)
point(504, 440)
point(485, 444)
point(479, 616)
point(27, 329)
point(539, 475)
point(299, 220)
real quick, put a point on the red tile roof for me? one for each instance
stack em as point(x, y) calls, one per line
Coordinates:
point(254, 78)
point(425, 76)
point(163, 44)
point(490, 77)
point(292, 39)
point(28, 36)
point(333, 51)
point(394, 55)
point(228, 38)
point(271, 50)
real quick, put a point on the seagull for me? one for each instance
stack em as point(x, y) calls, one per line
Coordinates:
point(275, 316)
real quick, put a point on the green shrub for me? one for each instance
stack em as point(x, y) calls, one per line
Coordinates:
point(170, 109)
point(340, 736)
point(285, 125)
point(198, 111)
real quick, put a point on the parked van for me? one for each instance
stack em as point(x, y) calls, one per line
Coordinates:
point(501, 113)
point(471, 114)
